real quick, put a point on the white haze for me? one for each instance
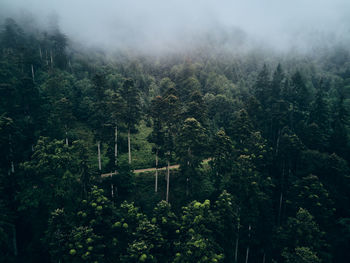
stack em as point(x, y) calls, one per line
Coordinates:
point(165, 25)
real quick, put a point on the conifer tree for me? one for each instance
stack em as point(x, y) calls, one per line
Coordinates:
point(132, 115)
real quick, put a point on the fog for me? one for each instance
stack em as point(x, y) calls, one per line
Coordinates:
point(165, 25)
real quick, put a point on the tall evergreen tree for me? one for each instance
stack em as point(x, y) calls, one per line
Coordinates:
point(132, 115)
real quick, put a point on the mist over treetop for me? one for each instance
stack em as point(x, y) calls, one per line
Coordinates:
point(161, 26)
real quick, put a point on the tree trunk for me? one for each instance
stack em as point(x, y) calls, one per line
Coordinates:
point(156, 179)
point(33, 73)
point(247, 253)
point(12, 168)
point(264, 257)
point(237, 242)
point(278, 141)
point(129, 146)
point(65, 127)
point(99, 155)
point(279, 209)
point(187, 186)
point(281, 196)
point(167, 182)
point(116, 145)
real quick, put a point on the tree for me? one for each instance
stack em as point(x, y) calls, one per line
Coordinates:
point(222, 158)
point(320, 115)
point(191, 146)
point(123, 182)
point(12, 37)
point(89, 234)
point(301, 255)
point(186, 81)
point(196, 240)
point(165, 85)
point(261, 86)
point(158, 133)
point(99, 118)
point(300, 93)
point(302, 239)
point(196, 108)
point(169, 226)
point(171, 111)
point(276, 84)
point(220, 110)
point(226, 233)
point(139, 239)
point(116, 108)
point(339, 137)
point(288, 156)
point(240, 129)
point(310, 193)
point(64, 115)
point(132, 115)
point(217, 84)
point(59, 45)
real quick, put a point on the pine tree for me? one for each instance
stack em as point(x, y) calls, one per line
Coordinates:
point(132, 115)
point(262, 85)
point(191, 147)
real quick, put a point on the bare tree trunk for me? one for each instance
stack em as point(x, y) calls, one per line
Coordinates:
point(66, 134)
point(12, 169)
point(156, 179)
point(129, 146)
point(237, 242)
point(278, 141)
point(99, 155)
point(279, 209)
point(247, 253)
point(167, 182)
point(33, 77)
point(264, 257)
point(116, 145)
point(281, 196)
point(187, 186)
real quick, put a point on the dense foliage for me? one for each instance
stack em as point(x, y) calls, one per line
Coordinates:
point(263, 151)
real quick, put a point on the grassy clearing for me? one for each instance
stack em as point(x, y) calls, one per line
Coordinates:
point(141, 149)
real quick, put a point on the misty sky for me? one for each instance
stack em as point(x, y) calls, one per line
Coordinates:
point(162, 24)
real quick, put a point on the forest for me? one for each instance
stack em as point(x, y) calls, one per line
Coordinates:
point(249, 153)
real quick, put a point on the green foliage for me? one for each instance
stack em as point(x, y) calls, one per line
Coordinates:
point(301, 255)
point(275, 141)
point(196, 243)
point(303, 239)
